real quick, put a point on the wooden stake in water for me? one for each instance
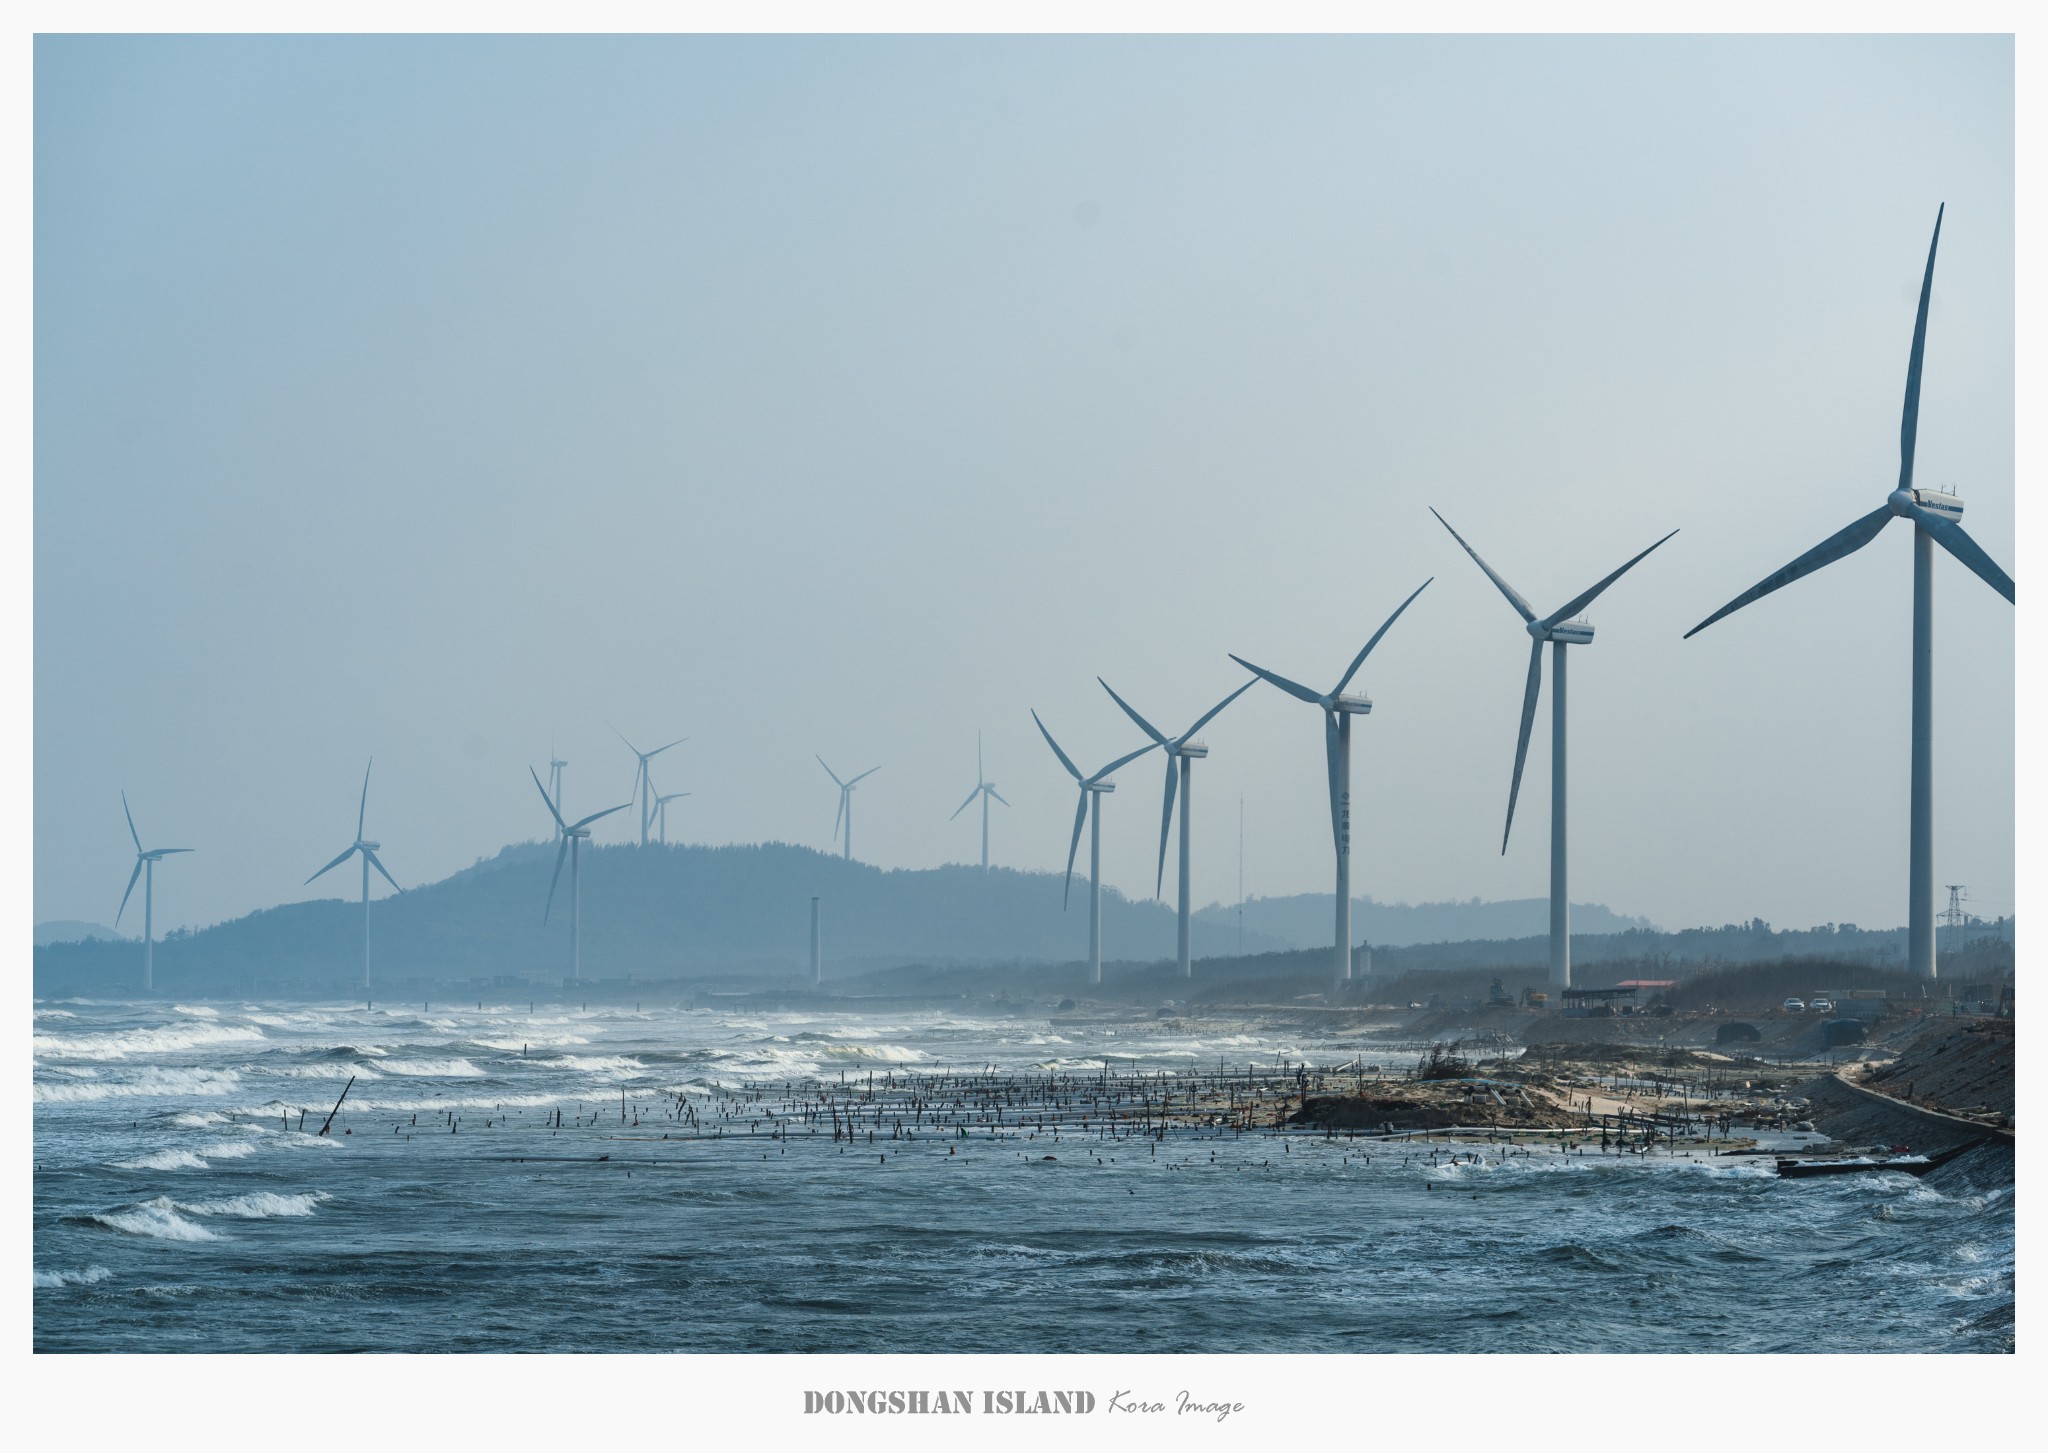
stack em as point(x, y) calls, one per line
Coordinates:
point(337, 1105)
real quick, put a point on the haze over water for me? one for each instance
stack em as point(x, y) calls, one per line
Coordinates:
point(178, 1206)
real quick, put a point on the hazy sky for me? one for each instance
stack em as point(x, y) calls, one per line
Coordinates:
point(442, 399)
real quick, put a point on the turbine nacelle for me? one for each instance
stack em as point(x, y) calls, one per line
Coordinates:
point(1196, 750)
point(1351, 704)
point(1570, 633)
point(1903, 503)
point(368, 846)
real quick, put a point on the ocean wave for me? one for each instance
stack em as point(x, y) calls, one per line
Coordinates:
point(196, 1011)
point(163, 1039)
point(55, 1014)
point(198, 1119)
point(312, 1072)
point(228, 1150)
point(147, 1082)
point(257, 1206)
point(158, 1219)
point(84, 1278)
point(597, 1064)
point(431, 1068)
point(163, 1160)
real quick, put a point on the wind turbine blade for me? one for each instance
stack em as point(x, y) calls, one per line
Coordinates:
point(1506, 589)
point(1144, 726)
point(1292, 688)
point(1210, 715)
point(1330, 750)
point(1080, 818)
point(380, 868)
point(363, 807)
point(629, 746)
point(999, 797)
point(1909, 421)
point(676, 743)
point(586, 822)
point(829, 772)
point(979, 774)
point(131, 888)
point(840, 812)
point(131, 822)
point(964, 806)
point(869, 773)
point(1166, 820)
point(1529, 695)
point(1952, 539)
point(1585, 598)
point(547, 799)
point(1065, 760)
point(1845, 541)
point(335, 864)
point(1359, 660)
point(560, 853)
point(159, 852)
point(1126, 757)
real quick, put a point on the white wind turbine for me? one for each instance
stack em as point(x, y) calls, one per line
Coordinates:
point(145, 868)
point(643, 783)
point(845, 812)
point(1936, 519)
point(1092, 790)
point(1181, 754)
point(1338, 709)
point(574, 834)
point(984, 789)
point(369, 851)
point(661, 812)
point(1560, 630)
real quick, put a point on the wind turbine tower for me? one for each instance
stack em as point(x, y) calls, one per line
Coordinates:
point(145, 868)
point(1092, 790)
point(661, 812)
point(1182, 752)
point(1936, 518)
point(369, 851)
point(643, 782)
point(1338, 709)
point(573, 836)
point(984, 789)
point(845, 813)
point(1560, 629)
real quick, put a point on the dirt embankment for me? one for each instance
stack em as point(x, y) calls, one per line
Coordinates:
point(1438, 1105)
point(1957, 1066)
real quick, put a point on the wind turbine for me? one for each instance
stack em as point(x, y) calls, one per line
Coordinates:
point(1181, 754)
point(1338, 709)
point(555, 766)
point(1935, 519)
point(643, 784)
point(1092, 789)
point(1560, 630)
point(984, 789)
point(145, 868)
point(369, 851)
point(845, 812)
point(573, 836)
point(661, 812)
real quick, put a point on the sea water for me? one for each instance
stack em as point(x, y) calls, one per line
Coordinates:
point(183, 1204)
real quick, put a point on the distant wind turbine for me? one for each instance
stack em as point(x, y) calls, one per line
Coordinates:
point(661, 812)
point(845, 812)
point(1181, 754)
point(1935, 518)
point(643, 784)
point(1092, 790)
point(1560, 630)
point(1338, 709)
point(369, 851)
point(555, 766)
point(145, 868)
point(573, 836)
point(984, 789)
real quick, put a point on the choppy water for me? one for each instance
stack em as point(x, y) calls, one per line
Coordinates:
point(178, 1206)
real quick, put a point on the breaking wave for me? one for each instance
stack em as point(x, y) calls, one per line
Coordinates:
point(164, 1039)
point(257, 1206)
point(85, 1278)
point(158, 1219)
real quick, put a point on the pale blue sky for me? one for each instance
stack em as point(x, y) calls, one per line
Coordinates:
point(433, 398)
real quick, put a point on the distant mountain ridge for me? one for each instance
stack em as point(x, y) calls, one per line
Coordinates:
point(1305, 920)
point(71, 930)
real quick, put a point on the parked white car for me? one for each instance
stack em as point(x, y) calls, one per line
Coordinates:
point(1796, 1006)
point(1822, 1005)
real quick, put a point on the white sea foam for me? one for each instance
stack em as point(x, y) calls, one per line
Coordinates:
point(198, 1119)
point(228, 1150)
point(198, 1011)
point(596, 1064)
point(162, 1039)
point(163, 1160)
point(257, 1206)
point(146, 1082)
point(159, 1219)
point(434, 1068)
point(55, 1014)
point(84, 1278)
